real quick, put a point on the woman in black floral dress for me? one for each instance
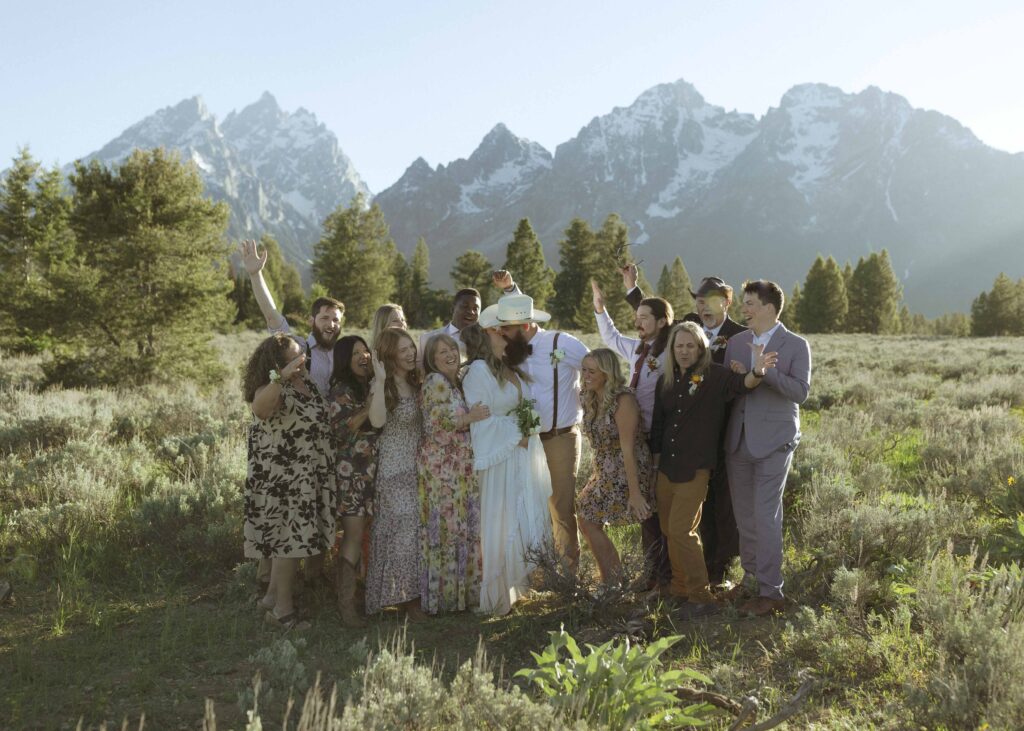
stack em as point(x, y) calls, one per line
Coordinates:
point(356, 441)
point(289, 488)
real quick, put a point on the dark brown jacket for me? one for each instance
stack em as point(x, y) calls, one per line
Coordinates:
point(685, 428)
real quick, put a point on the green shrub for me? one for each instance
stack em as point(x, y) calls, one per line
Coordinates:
point(615, 685)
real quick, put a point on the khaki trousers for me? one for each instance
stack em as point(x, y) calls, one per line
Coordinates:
point(563, 454)
point(679, 508)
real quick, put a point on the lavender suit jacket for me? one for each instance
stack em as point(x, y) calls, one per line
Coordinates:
point(770, 414)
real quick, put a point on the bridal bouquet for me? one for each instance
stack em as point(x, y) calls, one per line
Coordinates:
point(526, 416)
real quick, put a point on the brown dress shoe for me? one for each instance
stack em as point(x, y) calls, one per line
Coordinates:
point(762, 606)
point(737, 593)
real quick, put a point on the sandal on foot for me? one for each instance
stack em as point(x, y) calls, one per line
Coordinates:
point(288, 622)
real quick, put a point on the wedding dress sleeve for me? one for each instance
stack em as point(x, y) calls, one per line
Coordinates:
point(496, 437)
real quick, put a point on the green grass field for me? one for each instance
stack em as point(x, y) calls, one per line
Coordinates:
point(120, 533)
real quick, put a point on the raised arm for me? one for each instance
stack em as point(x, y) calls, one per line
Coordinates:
point(610, 335)
point(378, 398)
point(253, 261)
point(634, 295)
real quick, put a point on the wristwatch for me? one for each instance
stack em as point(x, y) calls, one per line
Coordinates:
point(756, 374)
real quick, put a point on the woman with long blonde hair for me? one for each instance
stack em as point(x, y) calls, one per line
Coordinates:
point(618, 490)
point(386, 317)
point(393, 573)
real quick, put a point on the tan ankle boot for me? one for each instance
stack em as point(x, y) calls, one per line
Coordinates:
point(350, 616)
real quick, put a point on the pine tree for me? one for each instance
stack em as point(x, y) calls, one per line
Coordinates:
point(150, 285)
point(874, 296)
point(524, 258)
point(675, 286)
point(472, 270)
point(823, 300)
point(355, 260)
point(571, 282)
point(282, 279)
point(418, 300)
point(36, 245)
point(997, 312)
point(609, 252)
point(790, 316)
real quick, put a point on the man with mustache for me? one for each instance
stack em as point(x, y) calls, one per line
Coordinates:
point(553, 361)
point(718, 529)
point(324, 320)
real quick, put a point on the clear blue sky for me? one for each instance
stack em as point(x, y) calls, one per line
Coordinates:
point(400, 80)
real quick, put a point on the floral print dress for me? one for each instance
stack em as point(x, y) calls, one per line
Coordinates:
point(450, 558)
point(393, 573)
point(356, 453)
point(604, 499)
point(289, 486)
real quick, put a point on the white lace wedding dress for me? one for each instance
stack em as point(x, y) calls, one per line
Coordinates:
point(515, 486)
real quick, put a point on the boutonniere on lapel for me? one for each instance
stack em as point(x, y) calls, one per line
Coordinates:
point(695, 381)
point(557, 356)
point(718, 343)
point(652, 363)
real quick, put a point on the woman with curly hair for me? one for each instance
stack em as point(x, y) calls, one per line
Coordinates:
point(356, 442)
point(393, 574)
point(618, 490)
point(289, 486)
point(449, 490)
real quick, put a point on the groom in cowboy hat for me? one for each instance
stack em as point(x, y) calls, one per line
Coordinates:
point(553, 360)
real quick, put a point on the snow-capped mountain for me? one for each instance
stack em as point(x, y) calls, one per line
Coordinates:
point(738, 196)
point(825, 171)
point(279, 172)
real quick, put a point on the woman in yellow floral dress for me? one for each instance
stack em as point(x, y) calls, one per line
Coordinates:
point(618, 491)
point(450, 559)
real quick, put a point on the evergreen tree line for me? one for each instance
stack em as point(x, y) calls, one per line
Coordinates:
point(115, 273)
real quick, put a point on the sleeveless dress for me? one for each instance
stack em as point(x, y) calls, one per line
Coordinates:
point(393, 573)
point(604, 499)
point(515, 487)
point(449, 504)
point(289, 487)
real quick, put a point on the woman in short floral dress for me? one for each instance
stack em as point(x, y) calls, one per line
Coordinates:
point(393, 574)
point(289, 488)
point(618, 491)
point(356, 442)
point(450, 562)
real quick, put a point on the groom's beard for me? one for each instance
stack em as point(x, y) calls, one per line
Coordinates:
point(516, 351)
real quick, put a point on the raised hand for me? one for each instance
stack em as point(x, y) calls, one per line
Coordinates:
point(252, 260)
point(293, 368)
point(501, 279)
point(629, 276)
point(762, 360)
point(379, 372)
point(478, 412)
point(598, 296)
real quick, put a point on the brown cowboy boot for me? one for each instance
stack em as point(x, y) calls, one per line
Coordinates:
point(350, 615)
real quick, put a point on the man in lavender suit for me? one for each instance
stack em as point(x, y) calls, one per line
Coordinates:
point(763, 432)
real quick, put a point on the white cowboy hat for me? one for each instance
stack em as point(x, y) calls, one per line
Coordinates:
point(512, 309)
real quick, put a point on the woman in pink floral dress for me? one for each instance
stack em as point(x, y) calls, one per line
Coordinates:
point(450, 559)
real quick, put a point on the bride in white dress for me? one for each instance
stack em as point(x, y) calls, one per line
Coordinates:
point(514, 480)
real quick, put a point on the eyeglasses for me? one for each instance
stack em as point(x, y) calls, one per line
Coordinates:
point(620, 251)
